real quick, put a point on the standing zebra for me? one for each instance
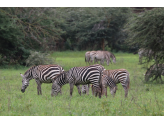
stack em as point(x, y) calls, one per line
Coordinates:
point(118, 76)
point(87, 57)
point(108, 81)
point(41, 74)
point(101, 56)
point(79, 76)
point(85, 88)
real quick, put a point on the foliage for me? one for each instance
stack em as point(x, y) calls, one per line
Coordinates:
point(37, 58)
point(146, 31)
point(88, 27)
point(23, 29)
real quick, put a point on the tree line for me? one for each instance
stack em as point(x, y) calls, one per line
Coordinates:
point(74, 28)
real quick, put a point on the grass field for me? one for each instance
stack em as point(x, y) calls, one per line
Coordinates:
point(143, 99)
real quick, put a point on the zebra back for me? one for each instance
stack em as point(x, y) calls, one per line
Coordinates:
point(119, 75)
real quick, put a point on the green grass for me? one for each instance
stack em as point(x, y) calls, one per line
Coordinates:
point(143, 99)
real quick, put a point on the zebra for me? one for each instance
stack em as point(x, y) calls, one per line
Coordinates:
point(92, 56)
point(87, 57)
point(85, 88)
point(144, 53)
point(111, 55)
point(41, 74)
point(118, 76)
point(156, 70)
point(107, 55)
point(108, 81)
point(101, 56)
point(79, 76)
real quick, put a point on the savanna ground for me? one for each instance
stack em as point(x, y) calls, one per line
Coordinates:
point(143, 99)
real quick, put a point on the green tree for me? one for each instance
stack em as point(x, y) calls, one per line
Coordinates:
point(146, 30)
point(28, 29)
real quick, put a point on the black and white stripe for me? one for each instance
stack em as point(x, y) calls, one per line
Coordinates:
point(85, 88)
point(80, 76)
point(41, 74)
point(119, 76)
point(108, 81)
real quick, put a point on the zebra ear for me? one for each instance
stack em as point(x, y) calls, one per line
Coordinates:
point(21, 75)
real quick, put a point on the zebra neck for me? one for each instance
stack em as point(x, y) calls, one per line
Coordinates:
point(29, 74)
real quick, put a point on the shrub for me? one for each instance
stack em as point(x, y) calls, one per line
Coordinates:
point(37, 58)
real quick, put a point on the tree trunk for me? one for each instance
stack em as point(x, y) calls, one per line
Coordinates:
point(102, 45)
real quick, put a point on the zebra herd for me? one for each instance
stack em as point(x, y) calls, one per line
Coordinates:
point(95, 75)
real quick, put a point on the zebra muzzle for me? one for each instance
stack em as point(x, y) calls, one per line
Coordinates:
point(23, 90)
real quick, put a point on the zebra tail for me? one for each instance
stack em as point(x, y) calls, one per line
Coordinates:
point(85, 58)
point(100, 81)
point(128, 81)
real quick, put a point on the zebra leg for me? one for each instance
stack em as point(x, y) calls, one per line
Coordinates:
point(126, 91)
point(71, 88)
point(87, 90)
point(79, 89)
point(38, 87)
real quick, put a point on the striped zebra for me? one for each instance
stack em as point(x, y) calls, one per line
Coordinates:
point(92, 56)
point(108, 81)
point(144, 53)
point(85, 88)
point(79, 76)
point(41, 74)
point(118, 76)
point(101, 56)
point(156, 70)
point(87, 57)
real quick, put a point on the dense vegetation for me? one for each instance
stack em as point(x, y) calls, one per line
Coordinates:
point(46, 29)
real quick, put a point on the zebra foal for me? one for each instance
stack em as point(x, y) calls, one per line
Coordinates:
point(118, 76)
point(41, 74)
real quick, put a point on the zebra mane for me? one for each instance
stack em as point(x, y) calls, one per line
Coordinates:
point(59, 75)
point(31, 68)
point(112, 55)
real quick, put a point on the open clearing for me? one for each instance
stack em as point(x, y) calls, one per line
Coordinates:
point(143, 99)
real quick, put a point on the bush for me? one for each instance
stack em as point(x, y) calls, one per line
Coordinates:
point(37, 58)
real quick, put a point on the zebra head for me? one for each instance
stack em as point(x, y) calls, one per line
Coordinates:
point(58, 82)
point(55, 88)
point(25, 83)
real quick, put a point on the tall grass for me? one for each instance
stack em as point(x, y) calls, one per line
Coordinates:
point(143, 99)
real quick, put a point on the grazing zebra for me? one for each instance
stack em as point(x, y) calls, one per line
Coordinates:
point(144, 53)
point(118, 76)
point(92, 56)
point(108, 81)
point(111, 55)
point(41, 74)
point(79, 76)
point(156, 70)
point(85, 88)
point(101, 56)
point(87, 56)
